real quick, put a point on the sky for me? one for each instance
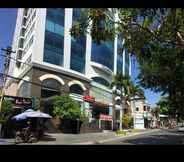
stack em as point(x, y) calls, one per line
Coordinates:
point(151, 97)
point(7, 26)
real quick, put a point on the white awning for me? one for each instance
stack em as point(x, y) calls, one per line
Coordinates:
point(163, 116)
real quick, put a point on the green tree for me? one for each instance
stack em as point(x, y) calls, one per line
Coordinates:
point(66, 108)
point(163, 105)
point(123, 84)
point(156, 111)
point(6, 111)
point(156, 37)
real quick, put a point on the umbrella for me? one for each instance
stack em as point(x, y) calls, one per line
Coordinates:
point(23, 115)
point(38, 114)
point(31, 114)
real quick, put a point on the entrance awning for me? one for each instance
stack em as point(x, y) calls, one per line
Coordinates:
point(100, 104)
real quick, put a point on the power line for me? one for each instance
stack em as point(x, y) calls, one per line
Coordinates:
point(20, 79)
point(8, 51)
point(17, 60)
point(34, 83)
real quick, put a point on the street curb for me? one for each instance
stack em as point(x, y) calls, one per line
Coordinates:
point(123, 137)
point(86, 143)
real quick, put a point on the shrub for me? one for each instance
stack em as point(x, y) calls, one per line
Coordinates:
point(127, 121)
point(6, 111)
point(66, 108)
point(121, 132)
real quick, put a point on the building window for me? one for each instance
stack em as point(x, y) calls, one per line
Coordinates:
point(137, 109)
point(144, 108)
point(78, 48)
point(26, 64)
point(101, 95)
point(21, 43)
point(120, 55)
point(101, 81)
point(54, 37)
point(76, 89)
point(24, 90)
point(103, 53)
point(50, 87)
point(98, 109)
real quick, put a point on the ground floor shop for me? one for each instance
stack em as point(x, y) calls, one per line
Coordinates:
point(94, 98)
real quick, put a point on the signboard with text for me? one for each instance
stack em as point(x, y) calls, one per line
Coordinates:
point(19, 101)
point(105, 117)
point(89, 98)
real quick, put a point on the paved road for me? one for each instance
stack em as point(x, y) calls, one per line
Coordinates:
point(152, 137)
point(161, 137)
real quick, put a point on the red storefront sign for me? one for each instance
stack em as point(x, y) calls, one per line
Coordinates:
point(89, 98)
point(105, 117)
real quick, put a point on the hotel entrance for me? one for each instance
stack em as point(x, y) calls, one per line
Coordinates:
point(101, 112)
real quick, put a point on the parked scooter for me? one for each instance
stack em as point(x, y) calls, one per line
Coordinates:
point(25, 136)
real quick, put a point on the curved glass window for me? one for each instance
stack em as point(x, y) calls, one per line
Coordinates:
point(54, 36)
point(75, 88)
point(78, 48)
point(103, 53)
point(24, 90)
point(51, 87)
point(101, 81)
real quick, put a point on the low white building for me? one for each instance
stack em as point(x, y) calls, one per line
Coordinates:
point(140, 112)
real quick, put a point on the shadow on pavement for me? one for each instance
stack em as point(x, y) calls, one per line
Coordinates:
point(48, 138)
point(155, 140)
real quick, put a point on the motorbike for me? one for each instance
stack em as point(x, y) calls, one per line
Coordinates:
point(25, 136)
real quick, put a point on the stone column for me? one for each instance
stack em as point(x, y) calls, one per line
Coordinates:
point(121, 116)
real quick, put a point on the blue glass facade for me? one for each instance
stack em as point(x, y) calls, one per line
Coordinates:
point(103, 53)
point(127, 59)
point(119, 56)
point(78, 48)
point(54, 36)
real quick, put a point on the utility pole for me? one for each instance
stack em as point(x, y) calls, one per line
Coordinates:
point(8, 51)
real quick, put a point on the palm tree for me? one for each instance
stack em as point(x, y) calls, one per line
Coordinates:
point(122, 83)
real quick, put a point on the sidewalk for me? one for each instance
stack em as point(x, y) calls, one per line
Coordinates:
point(87, 138)
point(78, 139)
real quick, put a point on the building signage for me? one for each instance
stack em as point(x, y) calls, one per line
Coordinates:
point(19, 101)
point(86, 105)
point(105, 117)
point(89, 98)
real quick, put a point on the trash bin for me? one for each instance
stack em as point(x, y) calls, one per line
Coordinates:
point(78, 126)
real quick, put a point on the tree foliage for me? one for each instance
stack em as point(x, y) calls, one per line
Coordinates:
point(156, 37)
point(6, 111)
point(127, 89)
point(66, 108)
point(163, 105)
